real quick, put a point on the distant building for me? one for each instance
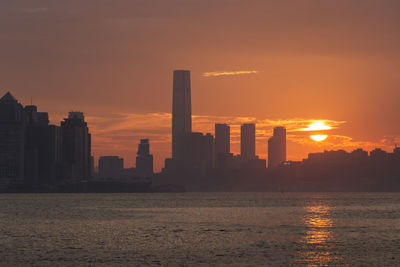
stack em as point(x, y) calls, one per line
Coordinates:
point(248, 141)
point(43, 151)
point(110, 167)
point(277, 147)
point(378, 154)
point(199, 151)
point(144, 160)
point(222, 139)
point(181, 112)
point(76, 146)
point(12, 141)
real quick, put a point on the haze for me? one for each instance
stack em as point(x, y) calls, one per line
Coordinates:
point(272, 62)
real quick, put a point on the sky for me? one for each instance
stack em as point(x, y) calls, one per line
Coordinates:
point(270, 62)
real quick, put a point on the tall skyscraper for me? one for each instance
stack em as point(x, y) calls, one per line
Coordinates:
point(12, 141)
point(248, 141)
point(277, 147)
point(43, 159)
point(144, 160)
point(181, 112)
point(222, 139)
point(76, 145)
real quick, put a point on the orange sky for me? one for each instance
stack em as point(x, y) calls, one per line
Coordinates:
point(284, 63)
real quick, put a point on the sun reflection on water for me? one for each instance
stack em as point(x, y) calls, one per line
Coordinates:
point(317, 250)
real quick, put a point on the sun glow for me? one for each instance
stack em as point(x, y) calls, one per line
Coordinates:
point(318, 137)
point(317, 126)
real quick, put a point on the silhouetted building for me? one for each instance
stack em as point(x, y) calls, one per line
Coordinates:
point(144, 160)
point(198, 151)
point(43, 152)
point(222, 139)
point(12, 141)
point(248, 141)
point(76, 146)
point(359, 156)
point(277, 147)
point(181, 112)
point(378, 154)
point(110, 167)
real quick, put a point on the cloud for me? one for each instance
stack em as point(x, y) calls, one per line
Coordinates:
point(228, 73)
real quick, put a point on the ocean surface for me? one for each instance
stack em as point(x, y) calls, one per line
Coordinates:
point(200, 229)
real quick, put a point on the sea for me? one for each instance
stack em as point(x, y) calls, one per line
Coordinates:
point(200, 229)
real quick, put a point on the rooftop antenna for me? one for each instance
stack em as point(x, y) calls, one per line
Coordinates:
point(31, 101)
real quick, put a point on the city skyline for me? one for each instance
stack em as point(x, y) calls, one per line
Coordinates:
point(284, 63)
point(299, 133)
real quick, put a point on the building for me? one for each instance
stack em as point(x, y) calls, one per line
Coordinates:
point(76, 146)
point(12, 141)
point(110, 167)
point(43, 151)
point(144, 160)
point(199, 151)
point(222, 139)
point(181, 112)
point(248, 141)
point(277, 147)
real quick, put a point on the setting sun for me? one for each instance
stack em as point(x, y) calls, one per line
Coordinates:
point(319, 137)
point(318, 126)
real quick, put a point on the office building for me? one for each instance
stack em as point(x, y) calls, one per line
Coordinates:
point(76, 146)
point(248, 141)
point(43, 158)
point(222, 139)
point(277, 147)
point(181, 112)
point(110, 167)
point(199, 151)
point(144, 160)
point(12, 141)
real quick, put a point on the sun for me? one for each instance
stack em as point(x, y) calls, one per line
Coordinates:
point(318, 137)
point(318, 126)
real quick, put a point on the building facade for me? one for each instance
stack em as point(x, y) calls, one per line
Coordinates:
point(277, 147)
point(181, 111)
point(199, 151)
point(222, 139)
point(110, 167)
point(144, 160)
point(43, 152)
point(248, 141)
point(12, 141)
point(76, 146)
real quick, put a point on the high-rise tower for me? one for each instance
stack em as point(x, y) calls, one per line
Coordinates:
point(144, 160)
point(277, 147)
point(181, 112)
point(12, 141)
point(248, 141)
point(222, 139)
point(76, 145)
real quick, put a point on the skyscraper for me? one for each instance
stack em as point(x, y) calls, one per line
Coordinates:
point(12, 141)
point(248, 141)
point(43, 159)
point(222, 139)
point(181, 112)
point(76, 145)
point(144, 160)
point(277, 147)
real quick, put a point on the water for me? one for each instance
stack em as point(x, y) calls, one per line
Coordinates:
point(194, 229)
